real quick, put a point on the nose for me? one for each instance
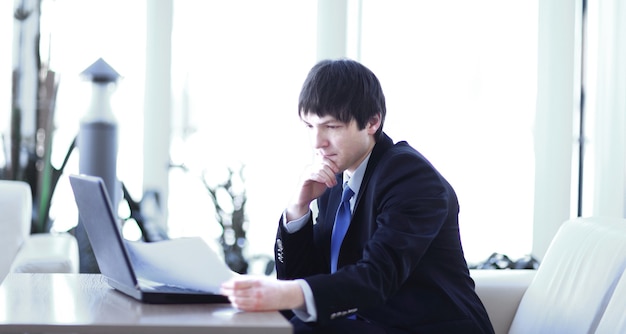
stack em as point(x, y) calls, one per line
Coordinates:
point(319, 139)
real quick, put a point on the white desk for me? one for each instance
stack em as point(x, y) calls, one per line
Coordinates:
point(81, 303)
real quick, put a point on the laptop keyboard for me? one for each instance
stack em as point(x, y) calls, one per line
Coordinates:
point(159, 287)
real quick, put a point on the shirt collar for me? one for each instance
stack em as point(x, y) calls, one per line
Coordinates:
point(354, 181)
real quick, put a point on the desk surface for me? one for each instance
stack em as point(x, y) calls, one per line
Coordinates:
point(85, 303)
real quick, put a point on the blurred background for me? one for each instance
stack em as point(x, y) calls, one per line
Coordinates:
point(490, 91)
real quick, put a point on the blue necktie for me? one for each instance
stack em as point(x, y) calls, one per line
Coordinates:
point(342, 221)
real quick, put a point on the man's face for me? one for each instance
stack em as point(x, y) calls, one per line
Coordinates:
point(342, 143)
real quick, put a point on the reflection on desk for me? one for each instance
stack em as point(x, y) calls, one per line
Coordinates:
point(85, 303)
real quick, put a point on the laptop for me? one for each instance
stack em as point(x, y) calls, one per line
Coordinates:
point(112, 252)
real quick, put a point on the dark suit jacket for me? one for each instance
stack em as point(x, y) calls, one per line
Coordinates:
point(401, 264)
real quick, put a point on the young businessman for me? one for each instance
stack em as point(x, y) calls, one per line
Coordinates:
point(388, 259)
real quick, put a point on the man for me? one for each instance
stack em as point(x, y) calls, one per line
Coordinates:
point(400, 267)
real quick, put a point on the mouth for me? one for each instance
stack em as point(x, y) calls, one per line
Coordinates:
point(327, 156)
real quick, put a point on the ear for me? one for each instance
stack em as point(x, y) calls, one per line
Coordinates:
point(373, 124)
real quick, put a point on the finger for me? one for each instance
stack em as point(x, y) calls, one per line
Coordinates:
point(231, 287)
point(330, 164)
point(245, 302)
point(329, 177)
point(325, 174)
point(226, 290)
point(227, 285)
point(326, 178)
point(321, 177)
point(330, 169)
point(236, 298)
point(245, 283)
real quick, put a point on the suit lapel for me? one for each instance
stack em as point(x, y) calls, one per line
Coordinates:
point(381, 147)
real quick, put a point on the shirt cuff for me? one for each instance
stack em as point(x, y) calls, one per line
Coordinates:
point(297, 224)
point(307, 313)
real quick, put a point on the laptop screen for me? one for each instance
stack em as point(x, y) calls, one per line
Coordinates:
point(101, 224)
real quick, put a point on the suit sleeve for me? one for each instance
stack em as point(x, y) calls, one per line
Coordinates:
point(295, 252)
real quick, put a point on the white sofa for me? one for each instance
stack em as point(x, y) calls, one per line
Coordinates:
point(580, 286)
point(21, 251)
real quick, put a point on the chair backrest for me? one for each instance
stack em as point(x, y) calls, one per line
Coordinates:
point(614, 318)
point(15, 220)
point(576, 279)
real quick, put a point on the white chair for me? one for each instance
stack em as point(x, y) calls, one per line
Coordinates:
point(614, 318)
point(22, 252)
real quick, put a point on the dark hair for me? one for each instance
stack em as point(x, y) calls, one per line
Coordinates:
point(344, 89)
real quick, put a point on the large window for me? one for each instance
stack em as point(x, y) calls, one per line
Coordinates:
point(460, 82)
point(459, 77)
point(237, 71)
